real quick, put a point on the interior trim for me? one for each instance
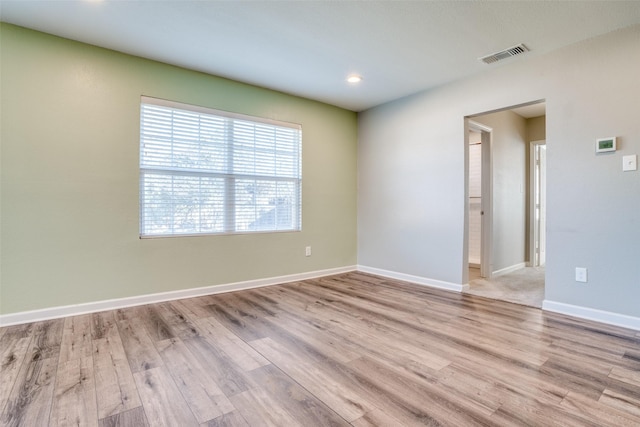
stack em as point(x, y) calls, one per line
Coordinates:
point(509, 269)
point(594, 314)
point(112, 304)
point(413, 279)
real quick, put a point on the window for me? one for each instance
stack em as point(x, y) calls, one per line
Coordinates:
point(204, 171)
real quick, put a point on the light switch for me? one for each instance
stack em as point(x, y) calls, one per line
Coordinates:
point(630, 163)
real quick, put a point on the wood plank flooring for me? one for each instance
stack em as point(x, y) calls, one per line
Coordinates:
point(351, 349)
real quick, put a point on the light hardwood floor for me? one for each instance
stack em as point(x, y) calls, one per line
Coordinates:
point(352, 349)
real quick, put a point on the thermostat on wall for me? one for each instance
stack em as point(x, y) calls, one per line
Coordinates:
point(606, 144)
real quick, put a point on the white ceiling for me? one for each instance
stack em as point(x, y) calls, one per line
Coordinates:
point(308, 48)
point(531, 110)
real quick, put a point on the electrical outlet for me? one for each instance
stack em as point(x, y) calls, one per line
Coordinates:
point(581, 274)
point(307, 251)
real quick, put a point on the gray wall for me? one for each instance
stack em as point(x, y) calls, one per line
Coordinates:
point(411, 171)
point(509, 160)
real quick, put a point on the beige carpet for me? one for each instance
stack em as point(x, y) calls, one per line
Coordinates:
point(524, 286)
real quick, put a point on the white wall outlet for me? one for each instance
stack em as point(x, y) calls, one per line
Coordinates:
point(581, 274)
point(307, 251)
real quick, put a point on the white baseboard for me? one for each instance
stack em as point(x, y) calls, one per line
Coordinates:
point(112, 304)
point(509, 269)
point(593, 314)
point(414, 279)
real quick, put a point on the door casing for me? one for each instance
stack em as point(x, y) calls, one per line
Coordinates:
point(536, 234)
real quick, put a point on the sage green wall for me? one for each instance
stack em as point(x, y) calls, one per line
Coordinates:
point(70, 136)
point(536, 128)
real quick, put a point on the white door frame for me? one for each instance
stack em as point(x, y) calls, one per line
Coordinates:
point(534, 233)
point(486, 207)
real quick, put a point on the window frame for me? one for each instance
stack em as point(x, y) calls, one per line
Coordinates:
point(229, 210)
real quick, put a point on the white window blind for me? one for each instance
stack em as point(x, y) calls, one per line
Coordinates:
point(204, 171)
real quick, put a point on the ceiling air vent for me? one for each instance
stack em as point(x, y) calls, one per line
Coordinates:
point(504, 54)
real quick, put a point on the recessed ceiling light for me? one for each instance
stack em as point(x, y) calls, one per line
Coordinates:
point(354, 78)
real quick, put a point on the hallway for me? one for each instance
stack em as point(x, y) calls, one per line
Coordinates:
point(524, 286)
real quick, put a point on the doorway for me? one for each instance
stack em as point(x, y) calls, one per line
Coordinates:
point(479, 200)
point(507, 149)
